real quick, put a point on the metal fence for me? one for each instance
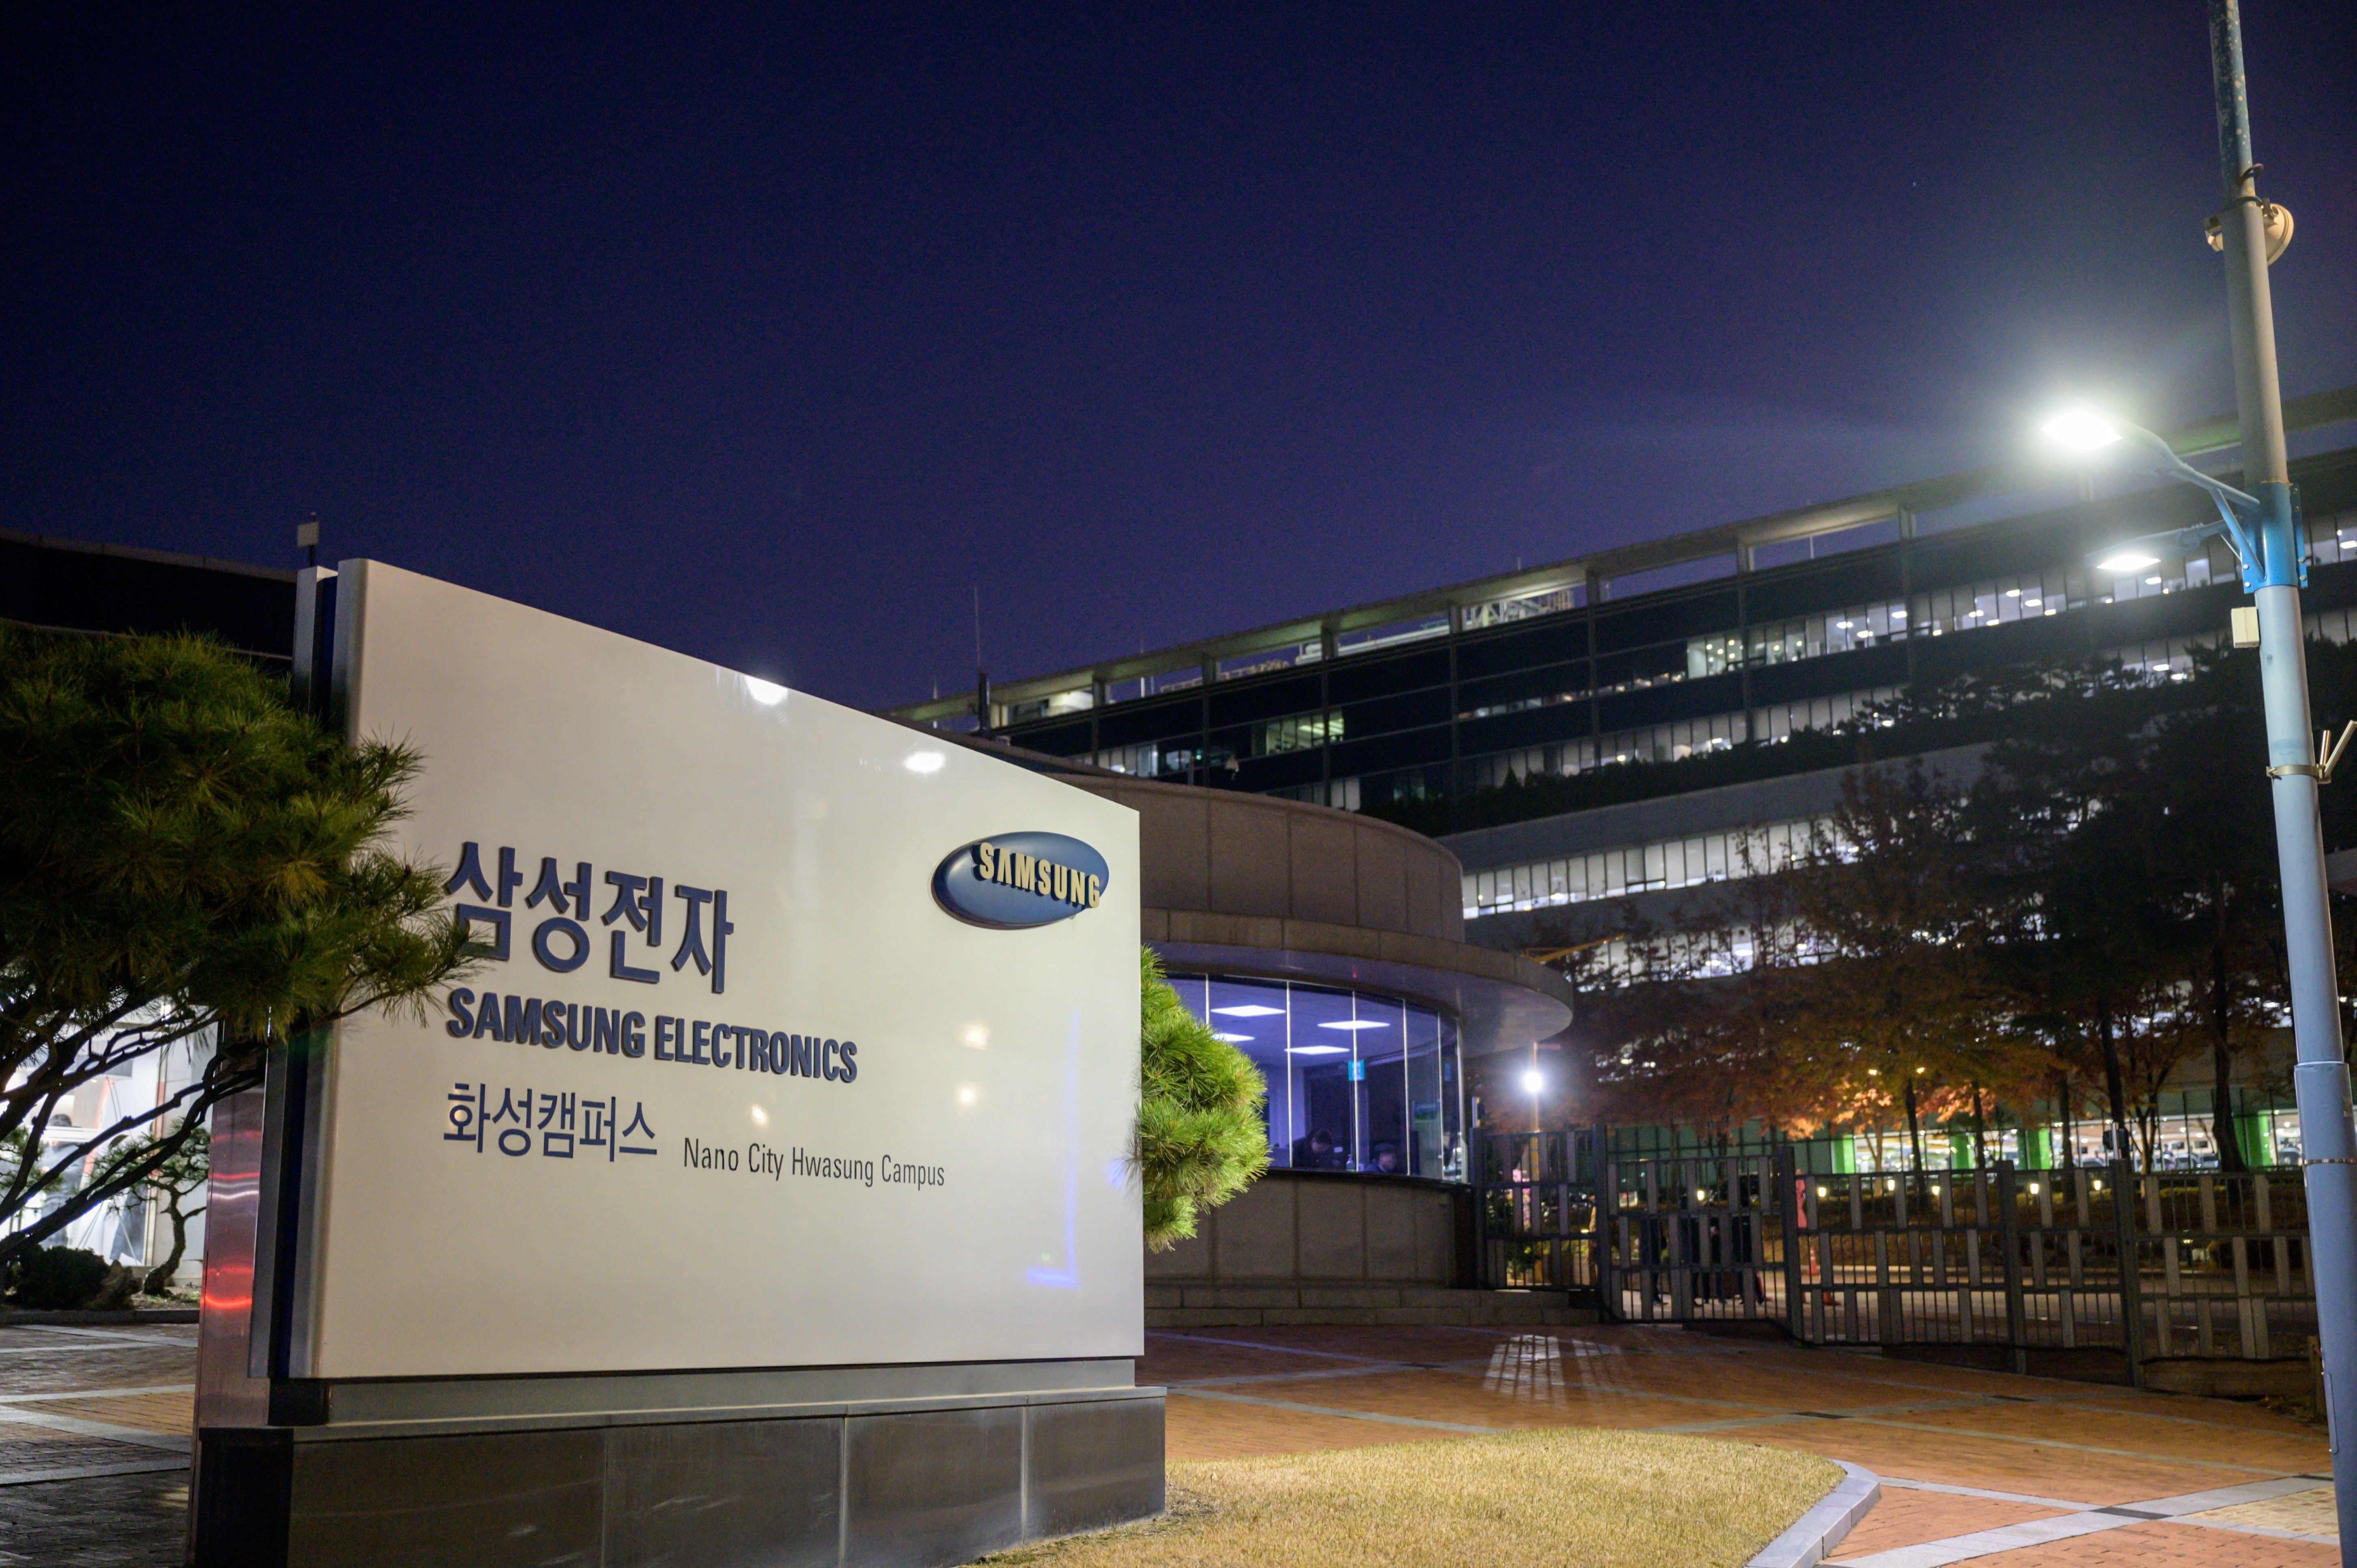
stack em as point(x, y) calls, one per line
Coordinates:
point(2028, 1260)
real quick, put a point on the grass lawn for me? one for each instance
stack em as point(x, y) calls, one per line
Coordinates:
point(1626, 1499)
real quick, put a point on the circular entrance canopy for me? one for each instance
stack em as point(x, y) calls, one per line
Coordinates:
point(1251, 885)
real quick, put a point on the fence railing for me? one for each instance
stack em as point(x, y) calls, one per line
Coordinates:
point(2163, 1265)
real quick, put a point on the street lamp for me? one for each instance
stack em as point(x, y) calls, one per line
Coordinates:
point(1533, 1082)
point(2261, 527)
point(2092, 434)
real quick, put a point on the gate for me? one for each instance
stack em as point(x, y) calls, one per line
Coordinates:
point(1536, 1209)
point(1644, 1239)
point(2163, 1265)
point(1693, 1239)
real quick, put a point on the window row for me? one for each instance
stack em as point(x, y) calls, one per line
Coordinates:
point(1672, 742)
point(1298, 733)
point(1503, 612)
point(1645, 868)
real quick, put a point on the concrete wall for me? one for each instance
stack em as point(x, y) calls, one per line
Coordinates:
point(1223, 852)
point(1300, 1226)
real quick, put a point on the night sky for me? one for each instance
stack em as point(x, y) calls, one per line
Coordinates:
point(767, 336)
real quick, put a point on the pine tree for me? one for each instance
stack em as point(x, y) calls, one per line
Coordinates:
point(184, 857)
point(1201, 1134)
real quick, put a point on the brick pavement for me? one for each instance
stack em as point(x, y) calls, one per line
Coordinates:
point(1978, 1467)
point(1970, 1460)
point(93, 1445)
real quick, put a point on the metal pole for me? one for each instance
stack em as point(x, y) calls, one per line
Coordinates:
point(2320, 1079)
point(2008, 1232)
point(1794, 1207)
point(2124, 1202)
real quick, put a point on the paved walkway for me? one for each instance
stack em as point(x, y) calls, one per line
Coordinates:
point(1976, 1466)
point(94, 1445)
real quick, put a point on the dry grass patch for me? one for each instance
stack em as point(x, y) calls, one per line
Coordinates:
point(1582, 1495)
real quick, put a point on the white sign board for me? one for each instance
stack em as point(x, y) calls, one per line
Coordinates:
point(744, 1092)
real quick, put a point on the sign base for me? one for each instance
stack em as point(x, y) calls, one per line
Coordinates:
point(897, 1481)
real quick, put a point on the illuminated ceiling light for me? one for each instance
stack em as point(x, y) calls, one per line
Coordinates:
point(2152, 582)
point(2013, 593)
point(1842, 625)
point(1317, 1050)
point(2033, 603)
point(1352, 1024)
point(2161, 664)
point(923, 761)
point(2082, 429)
point(1248, 1010)
point(2127, 562)
point(1234, 1039)
point(769, 694)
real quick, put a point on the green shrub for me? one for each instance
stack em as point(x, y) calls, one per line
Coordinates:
point(59, 1279)
point(1202, 1138)
point(116, 1290)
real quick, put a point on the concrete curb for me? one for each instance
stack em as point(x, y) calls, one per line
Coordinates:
point(27, 1317)
point(1819, 1531)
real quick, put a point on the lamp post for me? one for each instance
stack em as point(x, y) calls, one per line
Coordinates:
point(2262, 527)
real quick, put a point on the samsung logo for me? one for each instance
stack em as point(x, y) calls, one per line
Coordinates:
point(1013, 880)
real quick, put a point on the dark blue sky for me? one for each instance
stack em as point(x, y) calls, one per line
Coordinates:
point(764, 335)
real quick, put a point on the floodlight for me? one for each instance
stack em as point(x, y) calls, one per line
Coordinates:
point(2127, 562)
point(1533, 1081)
point(2082, 429)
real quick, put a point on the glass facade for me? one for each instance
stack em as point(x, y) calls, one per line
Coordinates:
point(1547, 681)
point(1357, 1082)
